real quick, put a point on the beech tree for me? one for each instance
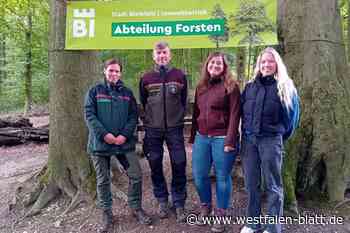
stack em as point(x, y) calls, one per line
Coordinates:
point(69, 170)
point(318, 159)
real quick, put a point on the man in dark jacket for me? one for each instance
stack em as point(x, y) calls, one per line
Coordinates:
point(111, 116)
point(163, 93)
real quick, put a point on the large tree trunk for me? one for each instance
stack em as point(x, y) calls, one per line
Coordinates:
point(69, 169)
point(318, 158)
point(28, 66)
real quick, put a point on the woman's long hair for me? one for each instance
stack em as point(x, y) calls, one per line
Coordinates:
point(285, 85)
point(227, 76)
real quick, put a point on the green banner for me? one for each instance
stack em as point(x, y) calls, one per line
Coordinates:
point(138, 24)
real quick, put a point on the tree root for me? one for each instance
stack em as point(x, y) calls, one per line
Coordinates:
point(48, 193)
point(342, 203)
point(79, 197)
point(34, 195)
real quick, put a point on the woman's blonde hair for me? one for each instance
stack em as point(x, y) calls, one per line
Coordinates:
point(227, 76)
point(285, 85)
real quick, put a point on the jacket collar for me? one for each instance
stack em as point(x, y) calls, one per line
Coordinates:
point(118, 86)
point(215, 80)
point(265, 81)
point(158, 69)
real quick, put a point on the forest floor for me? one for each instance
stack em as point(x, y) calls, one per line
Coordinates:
point(19, 163)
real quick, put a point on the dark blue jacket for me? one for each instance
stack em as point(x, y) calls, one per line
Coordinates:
point(263, 114)
point(110, 109)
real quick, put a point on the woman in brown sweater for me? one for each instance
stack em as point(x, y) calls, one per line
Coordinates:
point(214, 133)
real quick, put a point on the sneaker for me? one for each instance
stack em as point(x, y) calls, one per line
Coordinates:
point(246, 229)
point(163, 211)
point(107, 222)
point(265, 231)
point(142, 217)
point(180, 215)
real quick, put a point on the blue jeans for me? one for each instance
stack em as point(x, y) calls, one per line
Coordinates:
point(263, 156)
point(205, 152)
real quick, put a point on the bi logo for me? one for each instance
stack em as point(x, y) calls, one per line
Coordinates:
point(84, 22)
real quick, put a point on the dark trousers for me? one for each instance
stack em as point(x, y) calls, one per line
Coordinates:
point(263, 156)
point(174, 139)
point(130, 163)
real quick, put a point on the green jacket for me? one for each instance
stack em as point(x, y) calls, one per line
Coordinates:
point(110, 109)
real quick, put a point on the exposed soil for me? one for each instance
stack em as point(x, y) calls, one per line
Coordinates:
point(17, 164)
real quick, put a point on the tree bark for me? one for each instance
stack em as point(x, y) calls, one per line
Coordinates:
point(3, 36)
point(348, 32)
point(249, 59)
point(318, 158)
point(240, 65)
point(28, 66)
point(69, 169)
point(3, 72)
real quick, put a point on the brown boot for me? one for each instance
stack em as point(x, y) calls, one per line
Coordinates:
point(107, 222)
point(205, 211)
point(219, 226)
point(141, 216)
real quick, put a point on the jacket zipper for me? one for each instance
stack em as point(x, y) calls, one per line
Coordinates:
point(164, 102)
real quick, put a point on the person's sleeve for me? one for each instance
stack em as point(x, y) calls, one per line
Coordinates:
point(235, 111)
point(131, 123)
point(292, 117)
point(242, 99)
point(142, 94)
point(195, 114)
point(90, 115)
point(184, 92)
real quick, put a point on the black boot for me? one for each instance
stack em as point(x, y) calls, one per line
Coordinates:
point(180, 215)
point(141, 216)
point(107, 221)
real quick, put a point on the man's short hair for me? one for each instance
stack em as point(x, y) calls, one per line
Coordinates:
point(161, 45)
point(112, 61)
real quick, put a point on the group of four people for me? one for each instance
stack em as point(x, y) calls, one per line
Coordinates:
point(268, 110)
